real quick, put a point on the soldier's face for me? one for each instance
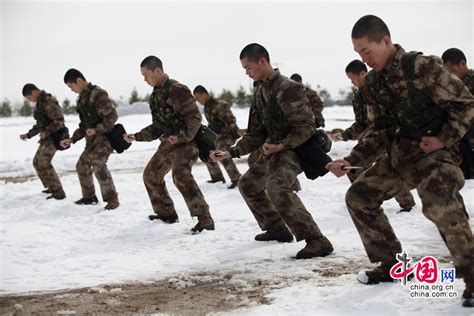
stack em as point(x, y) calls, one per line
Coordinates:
point(374, 54)
point(252, 69)
point(200, 98)
point(76, 87)
point(356, 79)
point(455, 69)
point(152, 77)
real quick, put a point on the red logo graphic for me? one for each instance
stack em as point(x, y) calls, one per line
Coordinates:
point(426, 270)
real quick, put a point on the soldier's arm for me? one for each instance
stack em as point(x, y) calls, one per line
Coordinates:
point(149, 133)
point(79, 133)
point(292, 100)
point(377, 137)
point(33, 131)
point(55, 114)
point(317, 106)
point(106, 111)
point(356, 129)
point(254, 136)
point(225, 115)
point(184, 104)
point(448, 92)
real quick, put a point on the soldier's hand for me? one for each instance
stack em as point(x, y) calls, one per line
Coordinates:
point(429, 144)
point(269, 149)
point(23, 137)
point(335, 137)
point(218, 155)
point(90, 132)
point(42, 135)
point(129, 138)
point(173, 139)
point(338, 167)
point(65, 143)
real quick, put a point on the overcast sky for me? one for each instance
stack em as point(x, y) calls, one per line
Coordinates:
point(200, 42)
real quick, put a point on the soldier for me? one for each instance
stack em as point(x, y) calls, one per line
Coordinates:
point(280, 120)
point(421, 111)
point(221, 121)
point(176, 121)
point(455, 61)
point(317, 105)
point(356, 72)
point(49, 120)
point(97, 115)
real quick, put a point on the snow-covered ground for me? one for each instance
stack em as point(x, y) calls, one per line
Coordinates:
point(48, 245)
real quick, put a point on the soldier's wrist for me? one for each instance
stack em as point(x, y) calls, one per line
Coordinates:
point(234, 152)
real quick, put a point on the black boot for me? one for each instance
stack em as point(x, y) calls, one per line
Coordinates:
point(319, 247)
point(216, 180)
point(57, 196)
point(87, 201)
point(205, 221)
point(234, 184)
point(280, 235)
point(168, 219)
point(376, 275)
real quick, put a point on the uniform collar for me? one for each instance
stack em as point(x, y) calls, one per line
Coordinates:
point(268, 82)
point(396, 61)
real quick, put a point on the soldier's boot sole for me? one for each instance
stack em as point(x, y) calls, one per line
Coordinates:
point(165, 219)
point(87, 201)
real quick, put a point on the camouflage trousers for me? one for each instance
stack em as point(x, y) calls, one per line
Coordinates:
point(270, 196)
point(437, 179)
point(45, 170)
point(223, 143)
point(405, 199)
point(179, 159)
point(254, 156)
point(93, 160)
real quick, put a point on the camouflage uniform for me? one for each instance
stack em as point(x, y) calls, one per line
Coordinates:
point(433, 103)
point(222, 121)
point(98, 112)
point(277, 117)
point(355, 131)
point(49, 119)
point(174, 112)
point(467, 142)
point(317, 106)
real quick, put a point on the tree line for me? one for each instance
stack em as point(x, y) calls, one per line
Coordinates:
point(240, 98)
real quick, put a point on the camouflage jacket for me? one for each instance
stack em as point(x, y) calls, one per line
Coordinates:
point(469, 80)
point(174, 112)
point(280, 113)
point(220, 118)
point(361, 121)
point(48, 115)
point(96, 110)
point(317, 106)
point(389, 88)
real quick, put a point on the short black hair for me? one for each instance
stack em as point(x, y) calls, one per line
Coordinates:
point(151, 63)
point(371, 26)
point(72, 75)
point(28, 88)
point(200, 89)
point(454, 56)
point(253, 52)
point(297, 78)
point(356, 67)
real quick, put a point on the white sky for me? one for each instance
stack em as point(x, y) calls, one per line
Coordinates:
point(200, 42)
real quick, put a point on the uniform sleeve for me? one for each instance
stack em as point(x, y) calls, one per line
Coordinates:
point(149, 133)
point(317, 106)
point(79, 133)
point(106, 111)
point(184, 104)
point(33, 131)
point(55, 114)
point(225, 115)
point(291, 98)
point(449, 93)
point(377, 137)
point(360, 124)
point(253, 138)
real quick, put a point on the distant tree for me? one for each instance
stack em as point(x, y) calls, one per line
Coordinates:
point(227, 96)
point(134, 97)
point(26, 109)
point(68, 108)
point(5, 109)
point(323, 93)
point(241, 98)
